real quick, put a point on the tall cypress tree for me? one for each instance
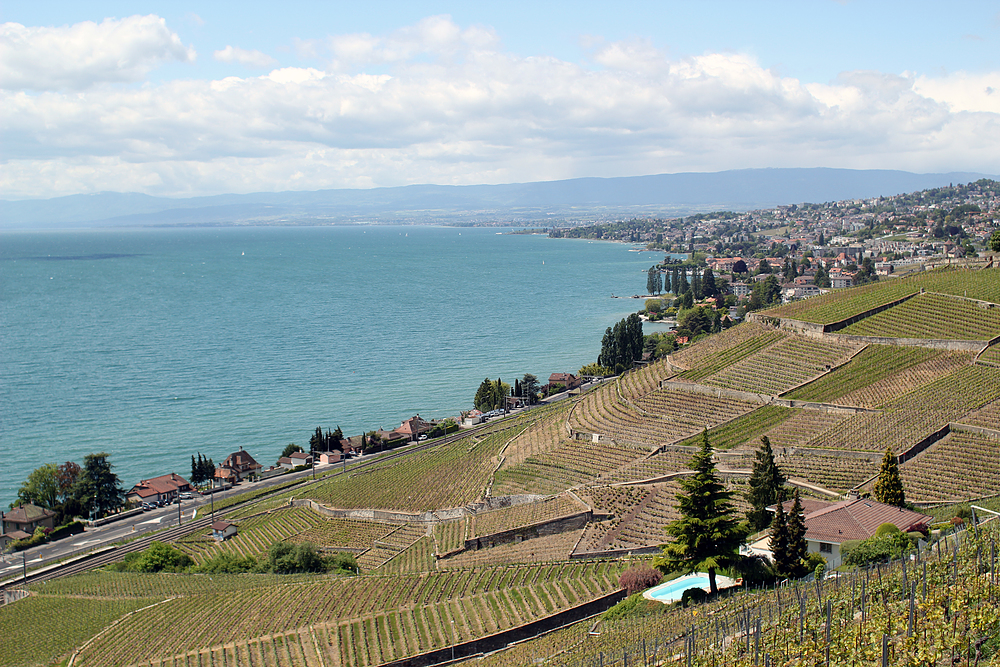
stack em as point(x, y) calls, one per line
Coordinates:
point(676, 282)
point(708, 535)
point(651, 280)
point(666, 283)
point(767, 486)
point(889, 486)
point(779, 542)
point(797, 548)
point(195, 472)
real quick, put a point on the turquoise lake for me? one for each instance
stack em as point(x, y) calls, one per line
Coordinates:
point(156, 344)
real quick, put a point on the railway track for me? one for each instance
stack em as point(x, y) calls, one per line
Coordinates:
point(116, 552)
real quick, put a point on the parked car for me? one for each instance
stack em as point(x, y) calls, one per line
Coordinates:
point(186, 496)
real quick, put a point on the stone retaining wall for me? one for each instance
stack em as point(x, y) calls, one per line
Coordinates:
point(540, 529)
point(500, 640)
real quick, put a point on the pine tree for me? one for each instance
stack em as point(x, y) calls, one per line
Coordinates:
point(708, 535)
point(666, 283)
point(767, 486)
point(797, 548)
point(195, 472)
point(676, 282)
point(659, 282)
point(651, 280)
point(779, 542)
point(889, 487)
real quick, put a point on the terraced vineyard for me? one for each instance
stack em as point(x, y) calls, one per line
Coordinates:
point(879, 392)
point(981, 284)
point(959, 467)
point(909, 418)
point(781, 366)
point(641, 381)
point(932, 316)
point(665, 416)
point(255, 534)
point(346, 622)
point(745, 428)
point(541, 549)
point(661, 463)
point(838, 305)
point(872, 364)
point(426, 481)
point(419, 588)
point(488, 523)
point(345, 533)
point(991, 355)
point(802, 426)
point(834, 473)
point(725, 349)
point(572, 463)
point(987, 416)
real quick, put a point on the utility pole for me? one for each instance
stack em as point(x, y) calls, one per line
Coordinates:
point(178, 510)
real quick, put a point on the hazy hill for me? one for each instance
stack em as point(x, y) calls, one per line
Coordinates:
point(580, 198)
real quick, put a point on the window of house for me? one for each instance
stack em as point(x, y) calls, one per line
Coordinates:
point(825, 547)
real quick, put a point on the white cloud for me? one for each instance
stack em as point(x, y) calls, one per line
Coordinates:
point(79, 56)
point(435, 36)
point(454, 109)
point(254, 59)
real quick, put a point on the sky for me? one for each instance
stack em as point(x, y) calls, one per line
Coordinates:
point(184, 99)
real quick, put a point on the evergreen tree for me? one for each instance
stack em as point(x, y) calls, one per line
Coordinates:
point(317, 440)
point(707, 536)
point(335, 440)
point(696, 286)
point(767, 486)
point(888, 487)
point(685, 285)
point(822, 240)
point(708, 285)
point(98, 489)
point(659, 282)
point(797, 548)
point(666, 283)
point(687, 301)
point(778, 542)
point(651, 280)
point(676, 282)
point(195, 471)
point(622, 344)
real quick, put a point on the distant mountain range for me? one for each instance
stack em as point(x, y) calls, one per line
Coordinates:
point(546, 202)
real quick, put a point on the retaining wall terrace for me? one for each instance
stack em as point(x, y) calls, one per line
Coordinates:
point(540, 529)
point(500, 640)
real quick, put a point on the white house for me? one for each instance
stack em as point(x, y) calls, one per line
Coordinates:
point(828, 525)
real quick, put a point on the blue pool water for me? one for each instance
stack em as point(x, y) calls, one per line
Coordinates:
point(674, 590)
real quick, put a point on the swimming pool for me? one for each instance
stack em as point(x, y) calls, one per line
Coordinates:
point(672, 591)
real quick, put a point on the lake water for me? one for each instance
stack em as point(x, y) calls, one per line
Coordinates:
point(156, 344)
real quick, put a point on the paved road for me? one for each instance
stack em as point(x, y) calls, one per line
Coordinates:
point(12, 565)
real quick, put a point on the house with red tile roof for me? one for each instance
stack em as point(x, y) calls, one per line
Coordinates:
point(414, 427)
point(828, 525)
point(237, 467)
point(158, 489)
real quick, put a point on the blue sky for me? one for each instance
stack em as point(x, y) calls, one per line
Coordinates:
point(182, 99)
